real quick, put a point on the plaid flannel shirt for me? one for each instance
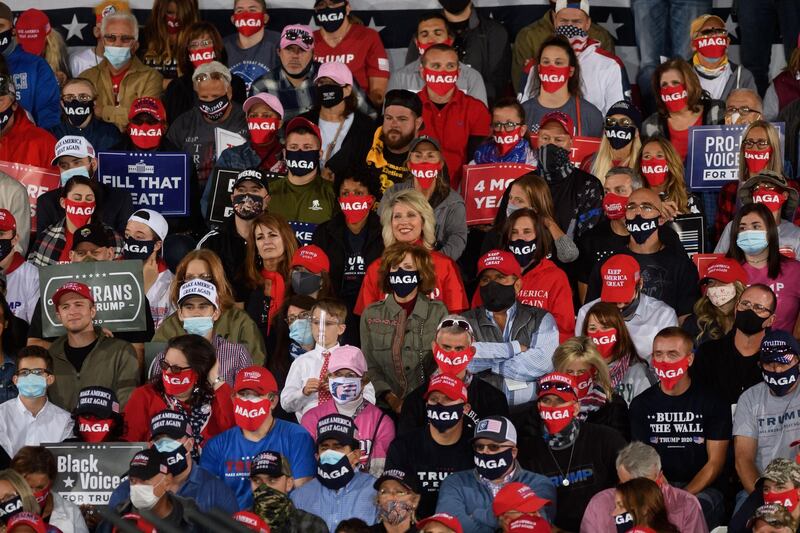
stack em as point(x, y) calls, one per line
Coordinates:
point(727, 204)
point(49, 245)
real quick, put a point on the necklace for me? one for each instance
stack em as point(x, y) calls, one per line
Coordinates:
point(564, 475)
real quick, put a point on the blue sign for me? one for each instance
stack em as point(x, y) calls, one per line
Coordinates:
point(713, 156)
point(303, 231)
point(155, 180)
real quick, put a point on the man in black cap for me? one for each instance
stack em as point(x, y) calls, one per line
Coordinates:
point(172, 438)
point(250, 198)
point(402, 120)
point(271, 480)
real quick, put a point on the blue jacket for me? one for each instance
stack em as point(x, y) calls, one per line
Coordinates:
point(103, 135)
point(464, 496)
point(37, 87)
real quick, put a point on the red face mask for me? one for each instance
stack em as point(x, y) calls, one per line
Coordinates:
point(712, 46)
point(583, 383)
point(506, 140)
point(669, 374)
point(452, 363)
point(605, 341)
point(556, 418)
point(41, 496)
point(771, 198)
point(94, 429)
point(440, 81)
point(146, 136)
point(787, 498)
point(250, 415)
point(78, 213)
point(425, 173)
point(262, 130)
point(655, 171)
point(614, 205)
point(553, 77)
point(173, 26)
point(356, 208)
point(675, 97)
point(757, 160)
point(177, 384)
point(248, 23)
point(202, 55)
point(423, 47)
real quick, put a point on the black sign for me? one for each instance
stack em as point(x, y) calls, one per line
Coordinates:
point(691, 231)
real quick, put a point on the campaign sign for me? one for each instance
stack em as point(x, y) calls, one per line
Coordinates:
point(483, 186)
point(35, 179)
point(155, 180)
point(117, 288)
point(224, 139)
point(89, 473)
point(713, 156)
point(582, 147)
point(222, 181)
point(303, 231)
point(691, 232)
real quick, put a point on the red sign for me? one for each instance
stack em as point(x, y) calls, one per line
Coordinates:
point(582, 147)
point(483, 186)
point(36, 179)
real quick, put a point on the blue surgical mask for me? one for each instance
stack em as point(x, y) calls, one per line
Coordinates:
point(117, 55)
point(66, 175)
point(300, 332)
point(167, 445)
point(510, 208)
point(752, 241)
point(198, 325)
point(32, 386)
point(330, 457)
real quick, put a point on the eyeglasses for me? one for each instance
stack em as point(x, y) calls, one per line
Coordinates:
point(394, 493)
point(110, 38)
point(643, 208)
point(624, 122)
point(35, 371)
point(760, 310)
point(455, 323)
point(506, 126)
point(209, 76)
point(753, 143)
point(492, 447)
point(83, 97)
point(744, 110)
point(299, 35)
point(204, 277)
point(173, 369)
point(200, 43)
point(290, 319)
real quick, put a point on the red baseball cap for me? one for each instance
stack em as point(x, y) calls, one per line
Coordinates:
point(450, 386)
point(31, 520)
point(445, 519)
point(312, 258)
point(519, 497)
point(73, 286)
point(500, 260)
point(300, 122)
point(7, 220)
point(251, 521)
point(562, 118)
point(149, 105)
point(559, 384)
point(620, 274)
point(256, 378)
point(33, 27)
point(725, 270)
point(529, 524)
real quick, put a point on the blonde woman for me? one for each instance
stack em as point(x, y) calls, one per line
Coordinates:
point(662, 169)
point(580, 358)
point(15, 493)
point(715, 310)
point(620, 142)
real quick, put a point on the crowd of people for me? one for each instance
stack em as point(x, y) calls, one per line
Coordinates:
point(342, 351)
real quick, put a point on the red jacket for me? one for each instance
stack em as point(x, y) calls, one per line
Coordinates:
point(546, 286)
point(449, 287)
point(26, 144)
point(146, 402)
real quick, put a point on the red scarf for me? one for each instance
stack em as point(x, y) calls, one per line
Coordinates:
point(277, 290)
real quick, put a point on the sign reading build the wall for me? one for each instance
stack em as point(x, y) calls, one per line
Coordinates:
point(35, 179)
point(89, 473)
point(155, 180)
point(117, 288)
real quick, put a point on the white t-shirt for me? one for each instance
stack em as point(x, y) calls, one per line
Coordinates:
point(328, 131)
point(83, 60)
point(22, 290)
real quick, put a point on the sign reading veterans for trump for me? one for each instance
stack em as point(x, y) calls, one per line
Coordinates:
point(35, 179)
point(483, 186)
point(116, 286)
point(713, 157)
point(89, 473)
point(155, 180)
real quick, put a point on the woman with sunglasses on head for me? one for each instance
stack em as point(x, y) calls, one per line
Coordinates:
point(163, 34)
point(754, 244)
point(509, 142)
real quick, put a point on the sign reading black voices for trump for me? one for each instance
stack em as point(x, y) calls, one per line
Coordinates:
point(155, 180)
point(117, 288)
point(89, 473)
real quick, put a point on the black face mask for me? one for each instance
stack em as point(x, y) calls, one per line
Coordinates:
point(306, 283)
point(337, 475)
point(215, 109)
point(331, 19)
point(77, 112)
point(629, 310)
point(247, 206)
point(454, 6)
point(5, 248)
point(748, 322)
point(523, 251)
point(403, 282)
point(302, 162)
point(553, 158)
point(330, 95)
point(641, 228)
point(6, 38)
point(624, 522)
point(493, 465)
point(5, 116)
point(497, 297)
point(133, 249)
point(620, 136)
point(9, 508)
point(444, 417)
point(176, 460)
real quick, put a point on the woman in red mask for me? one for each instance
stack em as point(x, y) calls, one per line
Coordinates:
point(600, 403)
point(509, 142)
point(168, 22)
point(188, 384)
point(630, 375)
point(760, 150)
point(681, 103)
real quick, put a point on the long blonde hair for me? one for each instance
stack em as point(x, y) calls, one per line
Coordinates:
point(603, 161)
point(416, 201)
point(583, 350)
point(774, 140)
point(675, 187)
point(56, 54)
point(22, 488)
point(711, 320)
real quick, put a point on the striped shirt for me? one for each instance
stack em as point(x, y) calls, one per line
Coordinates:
point(232, 357)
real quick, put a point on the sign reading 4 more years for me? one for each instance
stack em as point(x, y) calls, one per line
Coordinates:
point(155, 180)
point(116, 286)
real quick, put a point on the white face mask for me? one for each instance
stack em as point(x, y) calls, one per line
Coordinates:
point(721, 294)
point(143, 496)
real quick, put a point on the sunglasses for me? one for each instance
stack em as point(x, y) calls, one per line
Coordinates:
point(561, 387)
point(299, 35)
point(455, 323)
